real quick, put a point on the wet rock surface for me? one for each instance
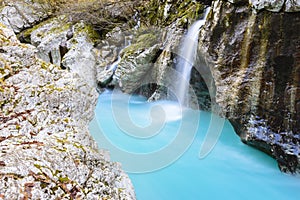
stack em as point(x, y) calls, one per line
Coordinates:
point(46, 151)
point(254, 60)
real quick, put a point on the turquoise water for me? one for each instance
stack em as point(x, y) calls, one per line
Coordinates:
point(231, 170)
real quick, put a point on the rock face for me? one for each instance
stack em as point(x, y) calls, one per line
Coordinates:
point(19, 14)
point(255, 63)
point(147, 66)
point(251, 53)
point(249, 64)
point(276, 5)
point(46, 151)
point(271, 5)
point(70, 46)
point(137, 62)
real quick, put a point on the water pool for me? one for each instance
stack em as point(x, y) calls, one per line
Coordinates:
point(232, 170)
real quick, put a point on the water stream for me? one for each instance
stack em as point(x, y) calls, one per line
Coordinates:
point(158, 144)
point(232, 170)
point(186, 58)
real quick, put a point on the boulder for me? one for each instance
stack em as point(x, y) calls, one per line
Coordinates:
point(80, 57)
point(137, 61)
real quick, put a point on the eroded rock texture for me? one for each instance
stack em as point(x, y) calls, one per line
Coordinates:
point(255, 63)
point(22, 14)
point(46, 151)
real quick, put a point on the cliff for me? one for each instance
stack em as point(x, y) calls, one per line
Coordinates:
point(253, 55)
point(46, 151)
point(247, 65)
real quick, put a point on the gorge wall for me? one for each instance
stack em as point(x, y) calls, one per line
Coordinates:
point(248, 64)
point(253, 51)
point(46, 150)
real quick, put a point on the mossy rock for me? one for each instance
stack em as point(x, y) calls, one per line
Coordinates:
point(186, 11)
point(144, 39)
point(88, 30)
point(60, 24)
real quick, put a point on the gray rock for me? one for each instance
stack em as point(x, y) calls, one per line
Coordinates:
point(292, 5)
point(19, 15)
point(137, 60)
point(237, 1)
point(54, 45)
point(271, 5)
point(257, 88)
point(46, 151)
point(80, 58)
point(276, 5)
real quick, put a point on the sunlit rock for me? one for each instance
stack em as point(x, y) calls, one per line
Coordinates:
point(46, 151)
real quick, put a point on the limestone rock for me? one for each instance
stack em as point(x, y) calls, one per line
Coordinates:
point(50, 37)
point(80, 57)
point(66, 45)
point(237, 1)
point(46, 151)
point(276, 5)
point(137, 60)
point(19, 14)
point(254, 61)
point(292, 5)
point(108, 54)
point(271, 5)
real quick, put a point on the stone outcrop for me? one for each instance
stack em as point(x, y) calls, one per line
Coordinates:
point(137, 61)
point(68, 45)
point(255, 64)
point(46, 151)
point(19, 15)
point(271, 5)
point(147, 64)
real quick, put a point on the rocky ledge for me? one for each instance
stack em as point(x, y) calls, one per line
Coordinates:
point(46, 151)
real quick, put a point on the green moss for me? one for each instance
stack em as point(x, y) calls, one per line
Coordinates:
point(44, 65)
point(142, 41)
point(185, 11)
point(93, 35)
point(52, 88)
point(79, 146)
point(38, 166)
point(43, 185)
point(56, 172)
point(88, 30)
point(58, 29)
point(60, 24)
point(18, 127)
point(64, 179)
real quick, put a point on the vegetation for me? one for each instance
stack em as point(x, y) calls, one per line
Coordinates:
point(102, 15)
point(154, 13)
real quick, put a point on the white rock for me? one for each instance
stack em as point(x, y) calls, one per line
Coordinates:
point(292, 5)
point(45, 142)
point(271, 5)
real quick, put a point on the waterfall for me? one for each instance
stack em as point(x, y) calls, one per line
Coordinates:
point(186, 58)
